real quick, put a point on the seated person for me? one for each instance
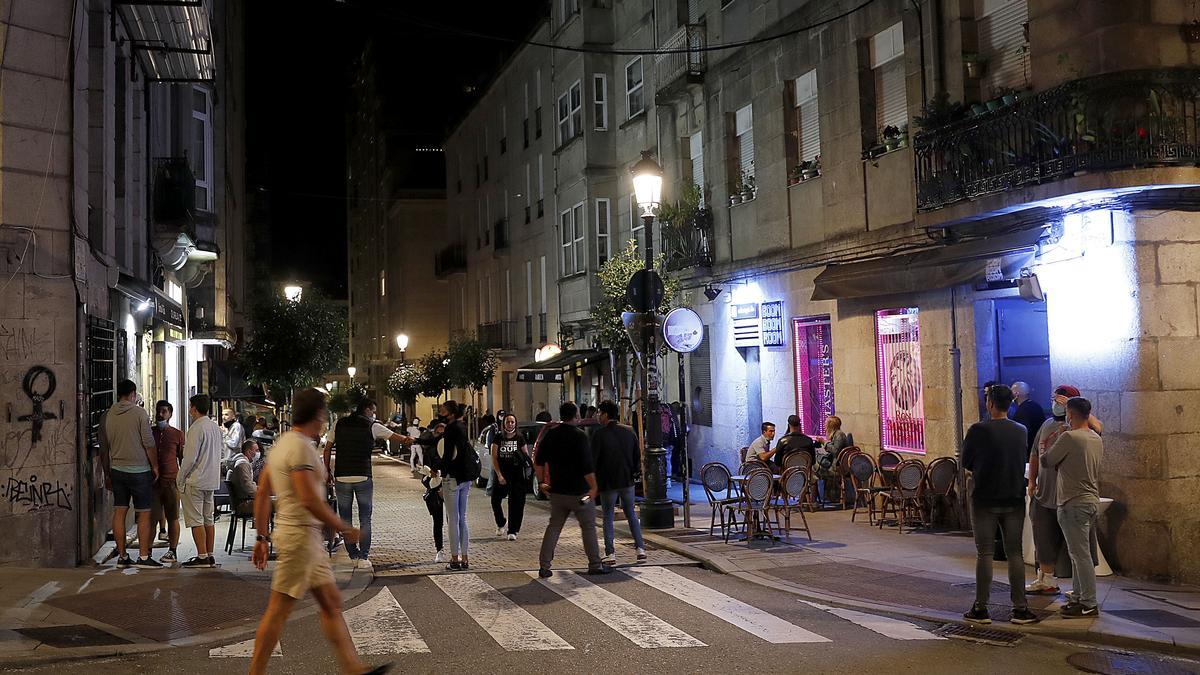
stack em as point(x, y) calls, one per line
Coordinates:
point(795, 440)
point(241, 473)
point(760, 449)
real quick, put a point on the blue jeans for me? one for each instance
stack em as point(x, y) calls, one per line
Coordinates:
point(347, 494)
point(455, 494)
point(608, 499)
point(1077, 520)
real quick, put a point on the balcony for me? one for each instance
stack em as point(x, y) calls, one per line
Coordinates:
point(500, 234)
point(498, 334)
point(528, 329)
point(450, 260)
point(1125, 120)
point(685, 61)
point(686, 244)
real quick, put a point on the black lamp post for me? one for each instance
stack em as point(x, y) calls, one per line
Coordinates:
point(402, 345)
point(657, 510)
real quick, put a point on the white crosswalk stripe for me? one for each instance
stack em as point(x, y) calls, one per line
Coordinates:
point(730, 610)
point(380, 626)
point(892, 628)
point(512, 627)
point(638, 625)
point(239, 650)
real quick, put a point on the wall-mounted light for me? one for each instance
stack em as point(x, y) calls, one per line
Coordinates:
point(143, 305)
point(711, 292)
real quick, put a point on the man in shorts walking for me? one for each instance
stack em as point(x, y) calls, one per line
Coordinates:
point(169, 442)
point(199, 478)
point(130, 462)
point(295, 474)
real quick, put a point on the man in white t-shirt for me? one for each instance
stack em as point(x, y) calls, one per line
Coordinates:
point(354, 438)
point(295, 477)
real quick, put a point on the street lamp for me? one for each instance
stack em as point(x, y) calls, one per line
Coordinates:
point(293, 293)
point(351, 371)
point(402, 344)
point(657, 510)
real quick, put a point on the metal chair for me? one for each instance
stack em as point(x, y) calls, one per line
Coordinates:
point(793, 486)
point(721, 493)
point(904, 499)
point(888, 461)
point(756, 502)
point(863, 474)
point(238, 511)
point(799, 459)
point(842, 468)
point(752, 464)
point(942, 478)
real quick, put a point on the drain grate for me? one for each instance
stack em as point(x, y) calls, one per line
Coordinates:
point(1119, 663)
point(998, 638)
point(77, 635)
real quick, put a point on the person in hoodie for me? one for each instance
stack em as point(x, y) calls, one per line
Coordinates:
point(129, 457)
point(242, 473)
point(199, 478)
point(232, 435)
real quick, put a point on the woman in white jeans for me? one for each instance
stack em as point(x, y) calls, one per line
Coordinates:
point(456, 485)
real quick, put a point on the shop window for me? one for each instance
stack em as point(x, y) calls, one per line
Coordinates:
point(812, 359)
point(898, 373)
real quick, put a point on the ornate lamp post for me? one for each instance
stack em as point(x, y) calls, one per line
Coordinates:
point(402, 345)
point(657, 510)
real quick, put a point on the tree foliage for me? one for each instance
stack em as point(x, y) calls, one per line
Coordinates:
point(405, 383)
point(294, 344)
point(472, 363)
point(434, 374)
point(614, 278)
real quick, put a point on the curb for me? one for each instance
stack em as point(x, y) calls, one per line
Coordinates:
point(358, 584)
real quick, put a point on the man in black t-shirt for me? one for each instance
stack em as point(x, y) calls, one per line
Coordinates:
point(795, 440)
point(566, 474)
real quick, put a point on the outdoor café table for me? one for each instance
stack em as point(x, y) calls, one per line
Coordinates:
point(740, 480)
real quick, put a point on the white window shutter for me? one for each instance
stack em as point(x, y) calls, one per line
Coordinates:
point(810, 130)
point(892, 103)
point(1001, 39)
point(697, 156)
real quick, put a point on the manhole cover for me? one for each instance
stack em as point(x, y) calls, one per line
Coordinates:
point(999, 638)
point(1115, 663)
point(79, 635)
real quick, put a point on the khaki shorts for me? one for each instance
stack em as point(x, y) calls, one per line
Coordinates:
point(302, 563)
point(198, 507)
point(166, 501)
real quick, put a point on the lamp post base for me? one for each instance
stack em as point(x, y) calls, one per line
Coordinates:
point(657, 513)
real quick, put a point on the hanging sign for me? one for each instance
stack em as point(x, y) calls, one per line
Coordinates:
point(746, 329)
point(772, 324)
point(683, 330)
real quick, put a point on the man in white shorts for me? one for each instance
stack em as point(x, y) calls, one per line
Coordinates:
point(296, 477)
point(199, 478)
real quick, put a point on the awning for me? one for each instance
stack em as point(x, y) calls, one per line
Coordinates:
point(227, 382)
point(934, 268)
point(552, 370)
point(172, 37)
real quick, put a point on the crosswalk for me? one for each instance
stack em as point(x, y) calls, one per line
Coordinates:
point(381, 626)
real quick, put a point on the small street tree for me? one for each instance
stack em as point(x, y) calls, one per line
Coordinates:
point(434, 374)
point(404, 384)
point(472, 363)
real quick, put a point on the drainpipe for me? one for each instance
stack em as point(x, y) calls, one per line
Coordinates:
point(956, 392)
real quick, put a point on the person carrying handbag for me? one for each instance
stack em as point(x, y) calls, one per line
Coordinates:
point(511, 471)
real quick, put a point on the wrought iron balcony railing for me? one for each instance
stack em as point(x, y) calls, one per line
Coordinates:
point(450, 260)
point(498, 334)
point(687, 244)
point(1113, 121)
point(684, 58)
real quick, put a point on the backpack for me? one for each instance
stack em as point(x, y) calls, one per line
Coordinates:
point(464, 463)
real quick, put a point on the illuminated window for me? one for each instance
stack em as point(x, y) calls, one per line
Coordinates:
point(382, 284)
point(898, 373)
point(812, 359)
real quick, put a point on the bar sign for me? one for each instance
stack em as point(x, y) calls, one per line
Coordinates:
point(772, 324)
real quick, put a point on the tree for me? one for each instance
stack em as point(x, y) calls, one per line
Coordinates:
point(294, 344)
point(472, 364)
point(434, 374)
point(404, 384)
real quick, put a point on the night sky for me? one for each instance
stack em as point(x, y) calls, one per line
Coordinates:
point(299, 58)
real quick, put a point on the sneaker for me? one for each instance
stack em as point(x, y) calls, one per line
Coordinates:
point(196, 562)
point(212, 562)
point(1022, 615)
point(169, 558)
point(162, 535)
point(454, 566)
point(464, 565)
point(641, 555)
point(1078, 611)
point(512, 536)
point(147, 564)
point(362, 563)
point(603, 569)
point(545, 573)
point(609, 559)
point(501, 531)
point(978, 614)
point(125, 561)
point(1041, 588)
point(439, 557)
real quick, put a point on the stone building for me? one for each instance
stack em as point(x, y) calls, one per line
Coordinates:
point(120, 206)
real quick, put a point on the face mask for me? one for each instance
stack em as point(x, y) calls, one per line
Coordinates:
point(162, 424)
point(1058, 410)
point(371, 419)
point(229, 424)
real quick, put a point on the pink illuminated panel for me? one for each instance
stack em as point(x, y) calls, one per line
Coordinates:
point(898, 369)
point(812, 359)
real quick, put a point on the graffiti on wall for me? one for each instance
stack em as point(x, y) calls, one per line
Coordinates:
point(34, 494)
point(31, 385)
point(21, 343)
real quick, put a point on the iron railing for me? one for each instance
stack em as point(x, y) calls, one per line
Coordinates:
point(542, 335)
point(684, 57)
point(498, 334)
point(686, 244)
point(450, 260)
point(1113, 121)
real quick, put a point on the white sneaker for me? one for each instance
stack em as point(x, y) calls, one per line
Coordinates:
point(439, 557)
point(512, 537)
point(641, 555)
point(501, 531)
point(362, 563)
point(610, 559)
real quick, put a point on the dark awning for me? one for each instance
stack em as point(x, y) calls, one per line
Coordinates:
point(552, 370)
point(924, 270)
point(227, 382)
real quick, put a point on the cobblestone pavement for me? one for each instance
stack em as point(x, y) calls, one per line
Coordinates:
point(402, 532)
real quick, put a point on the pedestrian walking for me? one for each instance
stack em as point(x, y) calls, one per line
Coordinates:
point(129, 457)
point(617, 461)
point(458, 465)
point(1076, 457)
point(567, 476)
point(296, 477)
point(354, 439)
point(168, 442)
point(994, 452)
point(199, 478)
point(233, 434)
point(433, 490)
point(511, 470)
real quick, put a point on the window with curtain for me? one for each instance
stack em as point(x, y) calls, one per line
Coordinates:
point(887, 65)
point(600, 101)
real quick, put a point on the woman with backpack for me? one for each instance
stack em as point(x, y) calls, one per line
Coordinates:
point(458, 464)
point(511, 469)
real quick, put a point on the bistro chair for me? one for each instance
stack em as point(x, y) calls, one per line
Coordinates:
point(903, 500)
point(722, 495)
point(863, 474)
point(798, 459)
point(888, 461)
point(842, 468)
point(942, 479)
point(793, 486)
point(803, 460)
point(241, 509)
point(749, 465)
point(756, 503)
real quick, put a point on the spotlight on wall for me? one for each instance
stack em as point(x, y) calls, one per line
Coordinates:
point(143, 305)
point(711, 292)
point(1030, 288)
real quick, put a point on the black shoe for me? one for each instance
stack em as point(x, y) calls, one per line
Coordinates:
point(545, 573)
point(125, 561)
point(603, 569)
point(464, 565)
point(148, 564)
point(978, 614)
point(379, 670)
point(212, 562)
point(196, 562)
point(1022, 615)
point(1078, 611)
point(454, 566)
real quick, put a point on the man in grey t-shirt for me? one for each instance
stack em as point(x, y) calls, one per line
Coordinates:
point(1076, 456)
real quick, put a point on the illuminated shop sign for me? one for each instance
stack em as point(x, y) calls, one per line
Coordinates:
point(812, 359)
point(746, 330)
point(772, 324)
point(898, 369)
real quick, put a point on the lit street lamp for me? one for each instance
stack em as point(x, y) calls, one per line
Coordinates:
point(293, 293)
point(402, 345)
point(657, 510)
point(351, 371)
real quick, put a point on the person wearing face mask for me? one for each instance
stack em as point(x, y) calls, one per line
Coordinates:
point(165, 508)
point(510, 464)
point(354, 438)
point(1049, 545)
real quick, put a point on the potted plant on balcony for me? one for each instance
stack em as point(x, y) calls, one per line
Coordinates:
point(746, 186)
point(894, 137)
point(939, 111)
point(810, 168)
point(795, 175)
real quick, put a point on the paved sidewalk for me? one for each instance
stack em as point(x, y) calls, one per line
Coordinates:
point(930, 575)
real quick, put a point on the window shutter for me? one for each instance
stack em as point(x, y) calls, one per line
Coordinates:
point(1001, 38)
point(697, 156)
point(700, 376)
point(810, 130)
point(745, 135)
point(892, 108)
